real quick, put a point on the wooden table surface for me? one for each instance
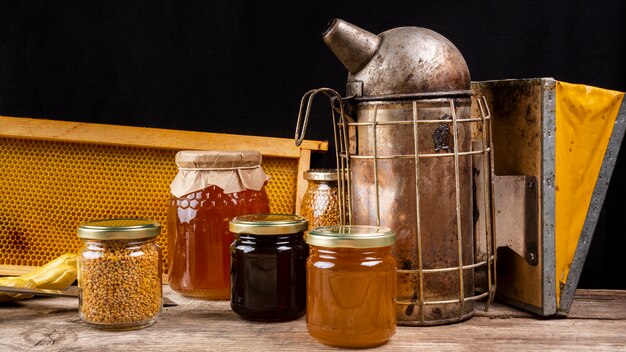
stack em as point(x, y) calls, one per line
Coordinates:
point(597, 322)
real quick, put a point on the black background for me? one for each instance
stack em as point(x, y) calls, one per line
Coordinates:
point(242, 67)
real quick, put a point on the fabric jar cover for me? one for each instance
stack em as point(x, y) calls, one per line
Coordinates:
point(232, 171)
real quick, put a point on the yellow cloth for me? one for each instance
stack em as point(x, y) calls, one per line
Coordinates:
point(584, 122)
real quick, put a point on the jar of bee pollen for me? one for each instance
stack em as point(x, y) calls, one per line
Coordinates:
point(320, 203)
point(119, 273)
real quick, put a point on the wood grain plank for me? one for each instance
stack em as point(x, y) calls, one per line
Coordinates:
point(52, 324)
point(150, 137)
point(304, 164)
point(599, 304)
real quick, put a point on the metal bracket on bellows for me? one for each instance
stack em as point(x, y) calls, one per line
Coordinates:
point(516, 206)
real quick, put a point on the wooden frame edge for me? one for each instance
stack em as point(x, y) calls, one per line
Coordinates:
point(23, 127)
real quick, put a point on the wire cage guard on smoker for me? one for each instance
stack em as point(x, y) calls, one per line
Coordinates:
point(411, 156)
point(445, 256)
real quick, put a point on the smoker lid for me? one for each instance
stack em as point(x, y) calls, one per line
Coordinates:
point(414, 60)
point(402, 61)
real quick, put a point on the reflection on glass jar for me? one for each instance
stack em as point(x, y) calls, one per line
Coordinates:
point(351, 285)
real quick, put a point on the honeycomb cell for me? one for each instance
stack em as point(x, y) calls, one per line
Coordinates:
point(48, 188)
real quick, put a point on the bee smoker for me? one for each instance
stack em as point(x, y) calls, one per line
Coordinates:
point(408, 151)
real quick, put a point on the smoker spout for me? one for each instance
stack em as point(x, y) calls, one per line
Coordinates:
point(354, 46)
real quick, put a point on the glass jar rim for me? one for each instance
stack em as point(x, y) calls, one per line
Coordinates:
point(320, 175)
point(351, 236)
point(268, 224)
point(119, 229)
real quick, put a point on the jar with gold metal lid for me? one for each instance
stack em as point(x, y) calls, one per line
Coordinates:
point(351, 285)
point(119, 273)
point(268, 267)
point(320, 203)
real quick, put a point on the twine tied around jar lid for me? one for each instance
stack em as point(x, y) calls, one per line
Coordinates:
point(232, 171)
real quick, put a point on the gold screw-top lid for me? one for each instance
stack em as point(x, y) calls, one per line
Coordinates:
point(268, 224)
point(320, 175)
point(119, 229)
point(351, 236)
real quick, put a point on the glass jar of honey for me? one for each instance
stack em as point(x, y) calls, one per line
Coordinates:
point(119, 273)
point(320, 203)
point(210, 189)
point(268, 267)
point(351, 285)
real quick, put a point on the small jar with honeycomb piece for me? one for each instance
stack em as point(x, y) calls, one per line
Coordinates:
point(320, 203)
point(351, 285)
point(210, 189)
point(119, 273)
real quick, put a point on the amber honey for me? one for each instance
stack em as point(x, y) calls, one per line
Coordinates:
point(199, 253)
point(351, 286)
point(210, 189)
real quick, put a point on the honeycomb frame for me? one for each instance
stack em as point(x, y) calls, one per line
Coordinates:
point(56, 175)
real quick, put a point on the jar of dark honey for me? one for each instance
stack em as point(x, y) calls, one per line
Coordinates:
point(268, 267)
point(320, 203)
point(351, 285)
point(211, 188)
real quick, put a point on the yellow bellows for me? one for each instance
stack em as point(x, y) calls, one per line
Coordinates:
point(585, 117)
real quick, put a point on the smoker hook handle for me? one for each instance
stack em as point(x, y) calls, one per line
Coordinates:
point(305, 109)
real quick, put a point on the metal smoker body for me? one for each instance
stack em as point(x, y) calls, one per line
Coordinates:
point(409, 164)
